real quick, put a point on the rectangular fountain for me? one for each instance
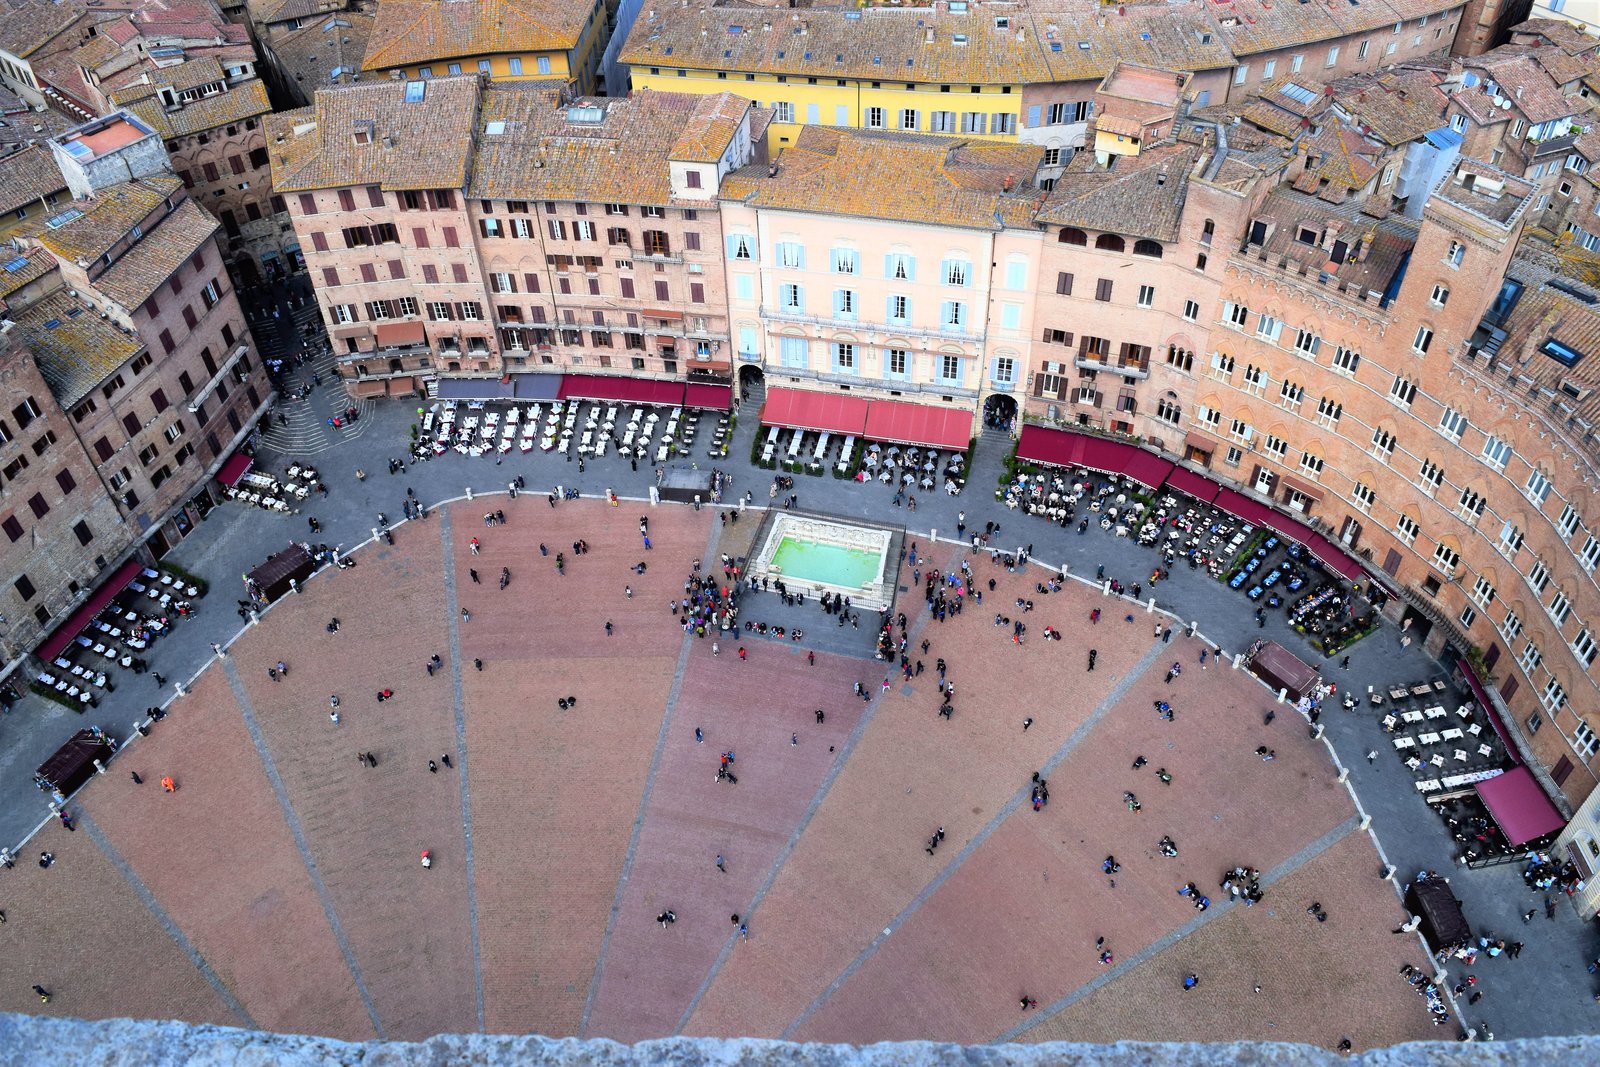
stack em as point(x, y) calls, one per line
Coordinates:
point(815, 556)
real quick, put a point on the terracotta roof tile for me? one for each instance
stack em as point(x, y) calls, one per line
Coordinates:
point(541, 153)
point(107, 217)
point(1526, 84)
point(905, 177)
point(19, 268)
point(1139, 196)
point(28, 25)
point(925, 46)
point(407, 32)
point(142, 269)
point(207, 113)
point(79, 351)
point(28, 175)
point(410, 144)
point(311, 54)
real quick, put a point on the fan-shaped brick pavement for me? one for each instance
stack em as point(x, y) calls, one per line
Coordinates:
point(280, 886)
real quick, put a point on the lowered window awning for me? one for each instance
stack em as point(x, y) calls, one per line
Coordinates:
point(474, 389)
point(623, 390)
point(803, 409)
point(898, 422)
point(63, 635)
point(1519, 806)
point(236, 467)
point(710, 397)
point(1187, 481)
point(401, 334)
point(1062, 448)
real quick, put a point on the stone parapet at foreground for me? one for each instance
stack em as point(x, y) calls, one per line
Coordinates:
point(30, 1040)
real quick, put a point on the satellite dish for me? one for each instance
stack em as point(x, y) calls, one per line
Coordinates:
point(1505, 105)
point(1497, 100)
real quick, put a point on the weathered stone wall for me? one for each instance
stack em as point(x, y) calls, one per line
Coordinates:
point(26, 1040)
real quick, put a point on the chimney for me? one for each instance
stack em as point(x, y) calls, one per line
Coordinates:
point(1365, 247)
point(772, 169)
point(1011, 179)
point(929, 38)
point(1161, 176)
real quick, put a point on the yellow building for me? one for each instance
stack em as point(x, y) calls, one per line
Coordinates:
point(972, 73)
point(509, 40)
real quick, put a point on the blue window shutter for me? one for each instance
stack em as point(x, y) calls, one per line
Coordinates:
point(911, 268)
point(733, 246)
point(1033, 115)
point(802, 257)
point(888, 264)
point(838, 301)
point(944, 313)
point(888, 311)
point(944, 270)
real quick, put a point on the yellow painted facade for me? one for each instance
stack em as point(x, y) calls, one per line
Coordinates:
point(850, 102)
point(524, 66)
point(577, 63)
point(1115, 144)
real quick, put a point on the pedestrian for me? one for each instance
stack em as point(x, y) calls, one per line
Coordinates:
point(1027, 723)
point(699, 736)
point(794, 739)
point(445, 759)
point(1093, 654)
point(609, 628)
point(136, 779)
point(1529, 914)
point(742, 653)
point(466, 616)
point(721, 866)
point(473, 573)
point(811, 658)
point(1514, 950)
point(1344, 664)
point(478, 664)
point(433, 768)
point(820, 717)
point(40, 991)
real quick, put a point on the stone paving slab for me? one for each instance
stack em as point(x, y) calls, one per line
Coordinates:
point(407, 927)
point(79, 930)
point(1320, 982)
point(249, 909)
point(861, 859)
point(650, 973)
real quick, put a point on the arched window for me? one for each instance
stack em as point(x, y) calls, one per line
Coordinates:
point(1168, 409)
point(1073, 236)
point(1110, 242)
point(1147, 248)
point(1207, 231)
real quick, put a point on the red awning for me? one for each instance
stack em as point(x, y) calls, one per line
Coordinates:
point(397, 334)
point(1331, 554)
point(1187, 481)
point(803, 409)
point(621, 389)
point(1482, 697)
point(63, 635)
point(1063, 448)
point(713, 397)
point(898, 422)
point(1519, 806)
point(237, 466)
point(1241, 506)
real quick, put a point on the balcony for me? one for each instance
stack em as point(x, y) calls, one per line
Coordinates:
point(868, 327)
point(649, 257)
point(1552, 146)
point(1126, 368)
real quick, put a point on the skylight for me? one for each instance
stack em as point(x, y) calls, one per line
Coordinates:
point(415, 91)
